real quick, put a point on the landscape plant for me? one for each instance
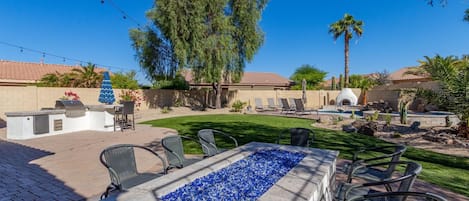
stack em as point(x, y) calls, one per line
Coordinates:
point(124, 80)
point(213, 38)
point(347, 26)
point(311, 74)
point(238, 106)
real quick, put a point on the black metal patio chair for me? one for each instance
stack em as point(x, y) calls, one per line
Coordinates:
point(347, 191)
point(174, 151)
point(392, 153)
point(285, 106)
point(303, 137)
point(120, 161)
point(392, 196)
point(207, 139)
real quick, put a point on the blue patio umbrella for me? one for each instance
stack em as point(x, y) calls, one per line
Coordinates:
point(106, 95)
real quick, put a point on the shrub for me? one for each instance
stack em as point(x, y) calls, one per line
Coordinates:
point(387, 118)
point(375, 116)
point(353, 114)
point(237, 106)
point(165, 110)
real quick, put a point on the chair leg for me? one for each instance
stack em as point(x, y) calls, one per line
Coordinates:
point(109, 189)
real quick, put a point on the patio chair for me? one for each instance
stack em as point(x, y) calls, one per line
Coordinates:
point(285, 106)
point(258, 107)
point(394, 153)
point(174, 151)
point(271, 104)
point(292, 103)
point(121, 164)
point(303, 137)
point(279, 101)
point(391, 196)
point(300, 108)
point(207, 139)
point(123, 115)
point(346, 191)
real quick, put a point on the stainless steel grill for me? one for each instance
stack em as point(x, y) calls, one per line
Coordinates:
point(73, 108)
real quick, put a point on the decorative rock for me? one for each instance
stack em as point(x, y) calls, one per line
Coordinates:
point(369, 129)
point(415, 125)
point(349, 128)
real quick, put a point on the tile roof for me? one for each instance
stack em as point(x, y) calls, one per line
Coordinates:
point(253, 78)
point(28, 72)
point(401, 75)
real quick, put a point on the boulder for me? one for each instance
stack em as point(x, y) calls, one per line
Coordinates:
point(359, 123)
point(349, 128)
point(369, 129)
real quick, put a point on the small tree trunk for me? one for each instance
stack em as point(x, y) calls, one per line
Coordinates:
point(218, 96)
point(346, 50)
point(365, 93)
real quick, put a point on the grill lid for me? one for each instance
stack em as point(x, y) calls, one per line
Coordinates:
point(73, 108)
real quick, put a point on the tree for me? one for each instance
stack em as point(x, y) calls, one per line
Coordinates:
point(346, 26)
point(341, 82)
point(124, 80)
point(364, 83)
point(214, 38)
point(312, 75)
point(453, 74)
point(466, 15)
point(50, 80)
point(87, 77)
point(382, 78)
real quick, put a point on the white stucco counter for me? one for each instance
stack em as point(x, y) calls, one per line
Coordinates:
point(33, 124)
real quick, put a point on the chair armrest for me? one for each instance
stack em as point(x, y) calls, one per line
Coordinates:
point(385, 181)
point(155, 154)
point(364, 149)
point(226, 135)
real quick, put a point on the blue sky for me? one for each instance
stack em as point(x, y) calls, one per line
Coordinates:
point(397, 33)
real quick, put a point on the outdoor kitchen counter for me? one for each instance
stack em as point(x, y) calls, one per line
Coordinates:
point(33, 113)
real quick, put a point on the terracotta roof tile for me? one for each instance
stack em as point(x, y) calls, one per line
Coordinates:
point(30, 72)
point(401, 75)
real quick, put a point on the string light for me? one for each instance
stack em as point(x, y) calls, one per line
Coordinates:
point(123, 13)
point(22, 49)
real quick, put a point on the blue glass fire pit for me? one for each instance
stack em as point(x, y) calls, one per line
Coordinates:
point(246, 179)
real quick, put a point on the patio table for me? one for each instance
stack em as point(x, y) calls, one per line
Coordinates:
point(311, 179)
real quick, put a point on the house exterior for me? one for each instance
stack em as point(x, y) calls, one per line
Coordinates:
point(14, 73)
point(400, 76)
point(249, 81)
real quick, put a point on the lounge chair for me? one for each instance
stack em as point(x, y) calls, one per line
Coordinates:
point(121, 164)
point(292, 103)
point(207, 139)
point(271, 104)
point(375, 174)
point(303, 137)
point(174, 150)
point(286, 107)
point(346, 191)
point(259, 107)
point(300, 108)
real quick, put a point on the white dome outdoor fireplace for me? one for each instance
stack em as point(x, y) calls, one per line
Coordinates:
point(346, 97)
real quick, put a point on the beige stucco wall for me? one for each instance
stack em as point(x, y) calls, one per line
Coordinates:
point(31, 98)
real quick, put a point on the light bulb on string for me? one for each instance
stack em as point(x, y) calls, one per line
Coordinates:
point(123, 16)
point(21, 49)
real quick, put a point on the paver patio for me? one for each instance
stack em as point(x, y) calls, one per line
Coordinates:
point(67, 167)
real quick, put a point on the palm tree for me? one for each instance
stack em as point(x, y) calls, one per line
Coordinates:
point(50, 80)
point(365, 85)
point(346, 26)
point(87, 77)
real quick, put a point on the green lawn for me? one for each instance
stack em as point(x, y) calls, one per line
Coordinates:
point(449, 172)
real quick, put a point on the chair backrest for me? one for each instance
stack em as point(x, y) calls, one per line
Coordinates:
point(121, 159)
point(271, 102)
point(398, 152)
point(410, 174)
point(258, 102)
point(285, 104)
point(173, 145)
point(292, 102)
point(300, 136)
point(128, 107)
point(398, 196)
point(207, 139)
point(279, 101)
point(299, 105)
